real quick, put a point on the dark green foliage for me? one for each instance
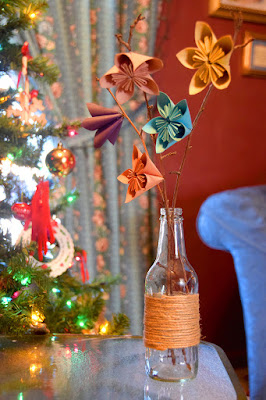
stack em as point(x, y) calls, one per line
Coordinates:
point(65, 201)
point(119, 324)
point(70, 308)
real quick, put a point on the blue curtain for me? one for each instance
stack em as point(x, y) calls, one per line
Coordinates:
point(119, 238)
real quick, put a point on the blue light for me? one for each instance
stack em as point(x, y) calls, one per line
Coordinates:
point(6, 300)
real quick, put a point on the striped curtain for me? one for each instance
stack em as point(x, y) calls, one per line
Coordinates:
point(119, 238)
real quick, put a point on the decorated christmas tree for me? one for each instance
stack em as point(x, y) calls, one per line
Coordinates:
point(40, 288)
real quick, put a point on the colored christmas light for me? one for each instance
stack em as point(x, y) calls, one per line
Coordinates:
point(6, 300)
point(71, 197)
point(69, 303)
point(36, 317)
point(33, 15)
point(25, 281)
point(103, 328)
point(11, 157)
point(55, 290)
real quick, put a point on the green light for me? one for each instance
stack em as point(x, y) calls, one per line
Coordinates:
point(55, 290)
point(25, 281)
point(70, 198)
point(10, 157)
point(69, 303)
point(53, 338)
point(20, 396)
point(81, 324)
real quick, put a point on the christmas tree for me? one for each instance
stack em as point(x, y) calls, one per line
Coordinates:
point(34, 295)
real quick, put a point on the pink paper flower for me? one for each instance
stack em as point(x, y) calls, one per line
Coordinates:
point(132, 69)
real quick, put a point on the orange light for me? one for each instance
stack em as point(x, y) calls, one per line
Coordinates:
point(103, 328)
point(33, 15)
point(36, 317)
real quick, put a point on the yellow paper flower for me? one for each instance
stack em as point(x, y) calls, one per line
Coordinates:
point(211, 57)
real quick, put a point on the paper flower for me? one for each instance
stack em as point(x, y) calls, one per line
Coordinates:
point(211, 58)
point(143, 176)
point(173, 125)
point(108, 123)
point(129, 69)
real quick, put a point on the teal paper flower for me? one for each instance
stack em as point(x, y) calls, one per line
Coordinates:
point(173, 125)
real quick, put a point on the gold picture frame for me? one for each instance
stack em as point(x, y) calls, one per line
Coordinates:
point(254, 55)
point(251, 10)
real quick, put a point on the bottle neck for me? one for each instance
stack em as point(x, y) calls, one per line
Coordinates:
point(171, 243)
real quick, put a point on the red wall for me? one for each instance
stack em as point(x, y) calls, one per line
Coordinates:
point(228, 151)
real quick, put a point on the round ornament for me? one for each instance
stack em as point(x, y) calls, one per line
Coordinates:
point(21, 211)
point(63, 260)
point(60, 161)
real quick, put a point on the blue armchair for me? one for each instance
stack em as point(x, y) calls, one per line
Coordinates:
point(235, 221)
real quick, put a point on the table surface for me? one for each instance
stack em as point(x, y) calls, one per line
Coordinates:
point(78, 367)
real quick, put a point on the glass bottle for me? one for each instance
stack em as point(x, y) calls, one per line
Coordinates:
point(171, 275)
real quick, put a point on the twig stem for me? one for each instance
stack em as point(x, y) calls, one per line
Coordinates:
point(203, 104)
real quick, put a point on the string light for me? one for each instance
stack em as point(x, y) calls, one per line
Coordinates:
point(55, 290)
point(3, 99)
point(20, 396)
point(33, 15)
point(36, 317)
point(71, 197)
point(71, 132)
point(25, 281)
point(11, 157)
point(81, 324)
point(104, 328)
point(69, 303)
point(6, 300)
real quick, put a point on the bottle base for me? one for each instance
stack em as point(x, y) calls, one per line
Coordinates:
point(171, 365)
point(165, 374)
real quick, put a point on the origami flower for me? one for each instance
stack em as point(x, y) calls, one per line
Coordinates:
point(173, 125)
point(107, 122)
point(129, 69)
point(211, 57)
point(143, 176)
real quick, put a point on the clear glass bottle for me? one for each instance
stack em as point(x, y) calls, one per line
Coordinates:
point(171, 274)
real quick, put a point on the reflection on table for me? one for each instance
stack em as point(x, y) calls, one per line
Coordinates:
point(79, 367)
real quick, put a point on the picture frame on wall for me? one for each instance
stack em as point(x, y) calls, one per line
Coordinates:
point(254, 55)
point(251, 10)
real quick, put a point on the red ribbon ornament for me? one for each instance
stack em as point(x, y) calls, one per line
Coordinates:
point(25, 53)
point(81, 256)
point(42, 230)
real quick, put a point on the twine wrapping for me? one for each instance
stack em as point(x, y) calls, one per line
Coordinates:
point(171, 322)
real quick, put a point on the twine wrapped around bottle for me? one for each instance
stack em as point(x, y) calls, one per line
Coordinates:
point(171, 322)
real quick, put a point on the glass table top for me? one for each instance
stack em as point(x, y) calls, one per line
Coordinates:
point(78, 367)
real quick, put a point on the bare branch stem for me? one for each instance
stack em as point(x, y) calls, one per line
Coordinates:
point(188, 147)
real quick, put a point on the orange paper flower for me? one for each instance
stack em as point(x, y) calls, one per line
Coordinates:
point(211, 58)
point(143, 176)
point(132, 69)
